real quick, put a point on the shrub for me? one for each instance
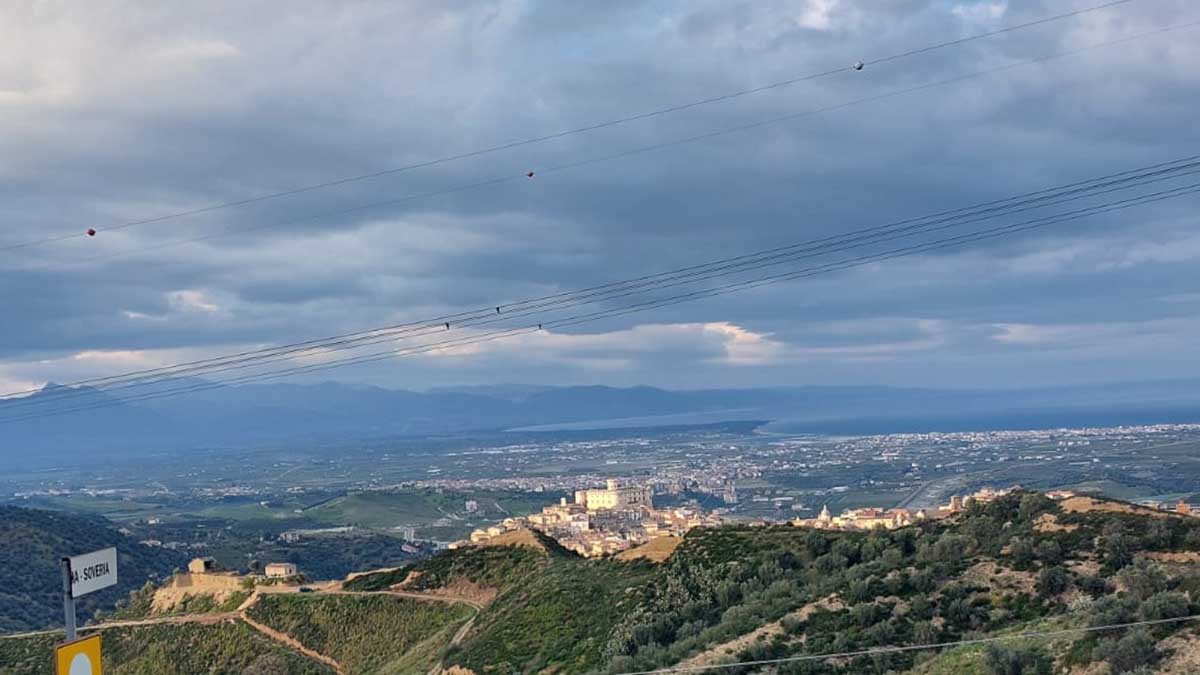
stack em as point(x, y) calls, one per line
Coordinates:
point(1127, 653)
point(1004, 660)
point(1143, 579)
point(1165, 605)
point(1053, 580)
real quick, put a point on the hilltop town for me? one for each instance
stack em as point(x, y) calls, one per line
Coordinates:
point(603, 521)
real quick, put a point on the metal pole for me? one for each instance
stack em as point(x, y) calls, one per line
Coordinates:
point(68, 600)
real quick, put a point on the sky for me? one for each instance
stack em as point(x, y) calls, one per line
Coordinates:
point(111, 113)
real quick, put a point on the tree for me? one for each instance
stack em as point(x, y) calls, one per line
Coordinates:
point(1143, 579)
point(1053, 580)
point(1165, 605)
point(1123, 655)
point(1004, 660)
point(1032, 505)
point(1049, 552)
point(1022, 553)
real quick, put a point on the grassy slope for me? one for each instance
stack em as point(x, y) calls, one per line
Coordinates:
point(558, 613)
point(560, 618)
point(169, 650)
point(365, 634)
point(555, 612)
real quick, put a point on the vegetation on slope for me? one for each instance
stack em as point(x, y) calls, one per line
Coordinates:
point(493, 566)
point(366, 634)
point(33, 541)
point(1019, 562)
point(333, 557)
point(559, 619)
point(169, 649)
point(918, 585)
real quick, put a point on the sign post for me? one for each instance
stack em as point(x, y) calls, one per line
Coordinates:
point(83, 574)
point(68, 600)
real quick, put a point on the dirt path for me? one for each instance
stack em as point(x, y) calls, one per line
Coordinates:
point(292, 644)
point(438, 598)
point(295, 645)
point(461, 633)
point(241, 614)
point(182, 618)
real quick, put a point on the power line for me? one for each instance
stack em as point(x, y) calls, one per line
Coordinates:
point(608, 291)
point(780, 255)
point(506, 178)
point(874, 651)
point(570, 132)
point(652, 304)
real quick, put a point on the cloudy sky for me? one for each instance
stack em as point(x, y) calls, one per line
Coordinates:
point(111, 113)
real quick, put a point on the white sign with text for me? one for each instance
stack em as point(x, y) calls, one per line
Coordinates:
point(93, 571)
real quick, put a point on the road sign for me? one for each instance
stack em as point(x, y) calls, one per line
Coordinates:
point(93, 571)
point(81, 657)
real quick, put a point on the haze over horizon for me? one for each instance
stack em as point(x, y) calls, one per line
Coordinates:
point(121, 114)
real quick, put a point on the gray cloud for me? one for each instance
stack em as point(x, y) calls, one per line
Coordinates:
point(110, 114)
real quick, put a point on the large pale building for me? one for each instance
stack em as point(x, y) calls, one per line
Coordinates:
point(614, 496)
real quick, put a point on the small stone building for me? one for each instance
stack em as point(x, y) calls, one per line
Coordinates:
point(202, 566)
point(281, 570)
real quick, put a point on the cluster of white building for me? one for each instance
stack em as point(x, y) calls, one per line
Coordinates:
point(871, 518)
point(604, 521)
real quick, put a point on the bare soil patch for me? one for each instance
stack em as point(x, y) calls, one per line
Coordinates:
point(1048, 522)
point(656, 550)
point(997, 578)
point(520, 537)
point(1080, 504)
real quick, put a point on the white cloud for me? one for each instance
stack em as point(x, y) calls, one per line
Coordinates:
point(980, 12)
point(192, 300)
point(817, 14)
point(1116, 337)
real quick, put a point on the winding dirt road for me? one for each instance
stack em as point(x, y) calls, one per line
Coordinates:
point(242, 614)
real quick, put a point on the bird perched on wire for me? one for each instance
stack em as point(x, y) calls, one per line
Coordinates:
point(447, 325)
point(529, 174)
point(91, 232)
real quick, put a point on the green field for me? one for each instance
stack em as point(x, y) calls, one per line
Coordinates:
point(422, 507)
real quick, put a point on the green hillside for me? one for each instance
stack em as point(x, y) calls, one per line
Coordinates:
point(190, 649)
point(372, 634)
point(743, 593)
point(1022, 563)
point(31, 543)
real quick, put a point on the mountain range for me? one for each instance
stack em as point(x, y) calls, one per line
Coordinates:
point(133, 420)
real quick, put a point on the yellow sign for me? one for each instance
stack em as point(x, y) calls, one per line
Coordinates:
point(81, 657)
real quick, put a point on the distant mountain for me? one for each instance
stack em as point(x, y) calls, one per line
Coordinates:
point(32, 542)
point(511, 392)
point(131, 421)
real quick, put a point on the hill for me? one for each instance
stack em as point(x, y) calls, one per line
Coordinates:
point(1019, 564)
point(31, 543)
point(746, 593)
point(366, 634)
